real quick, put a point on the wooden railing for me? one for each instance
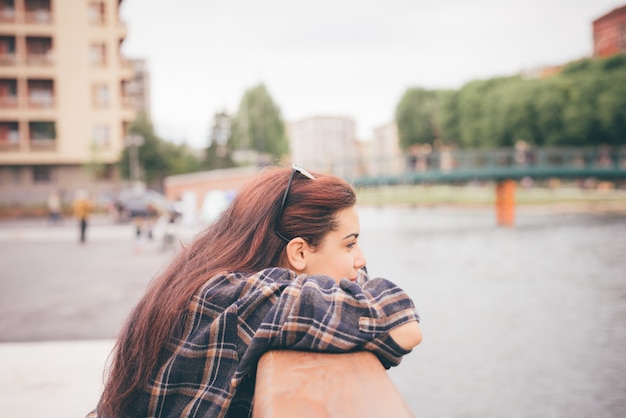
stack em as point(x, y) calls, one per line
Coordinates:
point(321, 385)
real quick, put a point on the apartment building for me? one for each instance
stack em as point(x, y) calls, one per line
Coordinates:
point(67, 97)
point(609, 33)
point(384, 153)
point(325, 143)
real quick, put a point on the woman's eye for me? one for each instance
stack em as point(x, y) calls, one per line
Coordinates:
point(352, 245)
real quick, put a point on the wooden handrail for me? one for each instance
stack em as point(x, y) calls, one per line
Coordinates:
point(321, 385)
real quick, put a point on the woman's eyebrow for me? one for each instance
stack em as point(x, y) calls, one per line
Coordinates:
point(352, 235)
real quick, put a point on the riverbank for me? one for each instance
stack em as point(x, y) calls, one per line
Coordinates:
point(564, 198)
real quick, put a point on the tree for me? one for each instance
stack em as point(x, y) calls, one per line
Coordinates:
point(258, 125)
point(180, 158)
point(584, 105)
point(449, 116)
point(219, 152)
point(416, 117)
point(157, 158)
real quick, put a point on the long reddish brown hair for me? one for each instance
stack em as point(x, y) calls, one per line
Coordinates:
point(241, 239)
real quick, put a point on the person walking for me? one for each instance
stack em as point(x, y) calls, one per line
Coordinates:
point(82, 209)
point(54, 207)
point(280, 268)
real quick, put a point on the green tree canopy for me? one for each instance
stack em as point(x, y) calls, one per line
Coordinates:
point(583, 105)
point(416, 117)
point(258, 124)
point(157, 158)
point(218, 153)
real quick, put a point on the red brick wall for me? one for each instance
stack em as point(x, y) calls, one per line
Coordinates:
point(202, 183)
point(609, 33)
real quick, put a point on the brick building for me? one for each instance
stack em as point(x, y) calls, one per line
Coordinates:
point(609, 33)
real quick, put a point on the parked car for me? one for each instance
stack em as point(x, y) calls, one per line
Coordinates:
point(141, 203)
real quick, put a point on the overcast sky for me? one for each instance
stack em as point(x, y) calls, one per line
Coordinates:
point(327, 57)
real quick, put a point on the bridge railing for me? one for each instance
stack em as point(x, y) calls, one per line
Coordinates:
point(426, 164)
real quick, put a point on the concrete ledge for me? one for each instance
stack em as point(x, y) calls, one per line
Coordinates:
point(321, 385)
point(57, 379)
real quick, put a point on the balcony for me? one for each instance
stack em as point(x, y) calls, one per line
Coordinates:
point(9, 146)
point(49, 144)
point(8, 60)
point(97, 55)
point(7, 50)
point(38, 12)
point(96, 13)
point(7, 11)
point(39, 60)
point(8, 93)
point(39, 17)
point(42, 136)
point(41, 102)
point(39, 51)
point(40, 94)
point(9, 136)
point(8, 102)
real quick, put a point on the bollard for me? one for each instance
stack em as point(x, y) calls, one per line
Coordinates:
point(322, 385)
point(505, 202)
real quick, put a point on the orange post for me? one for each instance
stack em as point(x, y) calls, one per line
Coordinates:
point(505, 202)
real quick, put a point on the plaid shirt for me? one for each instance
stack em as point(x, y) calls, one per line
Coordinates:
point(210, 369)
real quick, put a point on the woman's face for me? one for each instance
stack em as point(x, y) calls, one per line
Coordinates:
point(339, 255)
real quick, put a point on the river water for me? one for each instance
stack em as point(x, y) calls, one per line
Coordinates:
point(528, 321)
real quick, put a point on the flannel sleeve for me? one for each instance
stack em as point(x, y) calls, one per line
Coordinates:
point(314, 313)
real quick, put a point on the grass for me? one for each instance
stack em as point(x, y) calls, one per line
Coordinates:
point(473, 195)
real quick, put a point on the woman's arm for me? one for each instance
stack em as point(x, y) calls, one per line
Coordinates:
point(408, 335)
point(315, 313)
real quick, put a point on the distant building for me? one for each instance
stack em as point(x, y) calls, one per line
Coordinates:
point(542, 72)
point(67, 96)
point(609, 33)
point(136, 91)
point(325, 143)
point(384, 154)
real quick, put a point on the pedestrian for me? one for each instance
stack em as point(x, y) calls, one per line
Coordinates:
point(280, 268)
point(82, 209)
point(54, 207)
point(171, 228)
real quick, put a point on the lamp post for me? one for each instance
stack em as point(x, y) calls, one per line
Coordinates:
point(133, 142)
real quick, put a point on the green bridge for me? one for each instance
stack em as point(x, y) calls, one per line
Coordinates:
point(606, 163)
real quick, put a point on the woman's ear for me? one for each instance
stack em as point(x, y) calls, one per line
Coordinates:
point(296, 251)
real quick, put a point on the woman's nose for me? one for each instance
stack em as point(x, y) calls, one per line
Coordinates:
point(359, 260)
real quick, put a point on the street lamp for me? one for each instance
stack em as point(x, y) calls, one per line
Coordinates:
point(133, 142)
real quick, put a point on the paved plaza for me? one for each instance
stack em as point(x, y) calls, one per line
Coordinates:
point(61, 305)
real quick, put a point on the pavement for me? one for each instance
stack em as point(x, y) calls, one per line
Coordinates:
point(61, 305)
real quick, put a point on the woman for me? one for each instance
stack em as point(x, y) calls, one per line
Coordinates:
point(280, 268)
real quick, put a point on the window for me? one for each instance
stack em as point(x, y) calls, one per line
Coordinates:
point(38, 50)
point(42, 174)
point(95, 13)
point(101, 136)
point(42, 130)
point(97, 54)
point(100, 95)
point(38, 11)
point(16, 175)
point(7, 11)
point(40, 93)
point(8, 92)
point(9, 134)
point(7, 50)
